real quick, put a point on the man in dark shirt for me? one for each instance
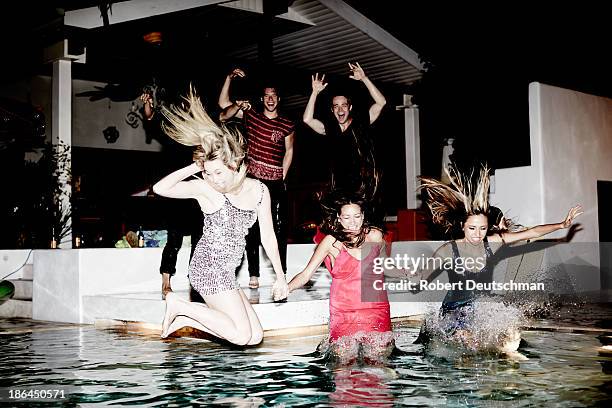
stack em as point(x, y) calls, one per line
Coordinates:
point(353, 164)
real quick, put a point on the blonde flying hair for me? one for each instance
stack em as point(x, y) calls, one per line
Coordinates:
point(463, 197)
point(190, 125)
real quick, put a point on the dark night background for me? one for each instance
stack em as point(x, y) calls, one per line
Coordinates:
point(479, 58)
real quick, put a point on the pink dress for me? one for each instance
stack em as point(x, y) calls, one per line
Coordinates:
point(348, 312)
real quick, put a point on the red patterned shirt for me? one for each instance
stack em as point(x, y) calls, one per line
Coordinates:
point(266, 144)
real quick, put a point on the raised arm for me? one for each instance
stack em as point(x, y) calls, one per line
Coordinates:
point(317, 86)
point(428, 269)
point(288, 158)
point(224, 99)
point(541, 230)
point(270, 245)
point(234, 109)
point(358, 74)
point(321, 251)
point(174, 186)
point(147, 101)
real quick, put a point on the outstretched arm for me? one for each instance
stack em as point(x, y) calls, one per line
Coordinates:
point(173, 185)
point(541, 230)
point(358, 74)
point(270, 245)
point(322, 250)
point(317, 86)
point(224, 98)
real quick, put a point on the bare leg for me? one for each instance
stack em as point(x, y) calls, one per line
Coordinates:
point(165, 284)
point(183, 321)
point(345, 350)
point(226, 315)
point(377, 347)
point(256, 329)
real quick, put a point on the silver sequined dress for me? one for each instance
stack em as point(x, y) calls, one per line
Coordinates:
point(219, 252)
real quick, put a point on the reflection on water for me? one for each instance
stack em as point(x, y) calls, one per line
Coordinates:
point(118, 368)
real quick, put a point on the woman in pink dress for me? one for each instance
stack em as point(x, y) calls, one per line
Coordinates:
point(359, 318)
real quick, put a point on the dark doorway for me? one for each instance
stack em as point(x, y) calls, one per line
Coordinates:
point(604, 203)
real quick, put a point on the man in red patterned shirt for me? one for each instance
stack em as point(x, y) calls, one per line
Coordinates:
point(269, 154)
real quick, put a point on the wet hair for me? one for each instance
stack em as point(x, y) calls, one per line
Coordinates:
point(495, 216)
point(190, 125)
point(331, 205)
point(450, 205)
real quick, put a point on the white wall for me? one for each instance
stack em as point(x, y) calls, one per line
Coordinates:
point(577, 140)
point(90, 118)
point(513, 186)
point(571, 148)
point(12, 260)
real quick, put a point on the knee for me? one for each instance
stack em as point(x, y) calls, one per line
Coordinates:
point(256, 337)
point(242, 337)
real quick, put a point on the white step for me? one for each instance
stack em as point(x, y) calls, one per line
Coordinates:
point(305, 308)
point(23, 289)
point(16, 308)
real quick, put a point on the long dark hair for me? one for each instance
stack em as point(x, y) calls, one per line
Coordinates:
point(331, 205)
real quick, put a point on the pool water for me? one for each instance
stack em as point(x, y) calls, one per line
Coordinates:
point(105, 367)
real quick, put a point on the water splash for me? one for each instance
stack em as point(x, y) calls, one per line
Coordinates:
point(371, 348)
point(481, 326)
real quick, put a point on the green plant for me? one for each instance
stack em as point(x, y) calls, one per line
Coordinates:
point(40, 204)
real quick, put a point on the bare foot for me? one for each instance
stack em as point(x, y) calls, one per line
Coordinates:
point(170, 314)
point(179, 322)
point(253, 282)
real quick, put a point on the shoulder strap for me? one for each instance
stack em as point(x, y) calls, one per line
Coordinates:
point(455, 250)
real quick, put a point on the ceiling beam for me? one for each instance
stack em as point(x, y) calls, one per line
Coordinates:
point(130, 10)
point(374, 31)
point(124, 11)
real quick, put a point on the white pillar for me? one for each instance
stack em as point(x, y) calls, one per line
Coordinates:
point(413, 152)
point(61, 130)
point(447, 151)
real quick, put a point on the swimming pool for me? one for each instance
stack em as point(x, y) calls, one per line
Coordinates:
point(93, 366)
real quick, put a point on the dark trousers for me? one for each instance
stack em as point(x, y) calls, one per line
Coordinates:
point(278, 197)
point(187, 221)
point(177, 228)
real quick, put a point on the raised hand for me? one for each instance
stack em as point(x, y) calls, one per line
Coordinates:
point(146, 98)
point(237, 73)
point(573, 213)
point(318, 84)
point(243, 105)
point(356, 72)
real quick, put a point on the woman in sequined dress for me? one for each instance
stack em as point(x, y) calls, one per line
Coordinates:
point(231, 203)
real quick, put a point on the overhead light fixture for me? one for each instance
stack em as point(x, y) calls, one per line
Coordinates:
point(154, 37)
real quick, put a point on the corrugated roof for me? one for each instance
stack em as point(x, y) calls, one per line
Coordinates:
point(333, 41)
